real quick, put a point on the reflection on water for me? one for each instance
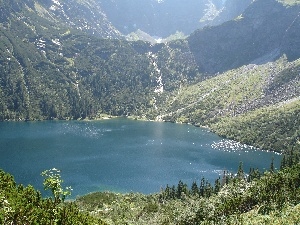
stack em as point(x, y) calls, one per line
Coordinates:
point(120, 154)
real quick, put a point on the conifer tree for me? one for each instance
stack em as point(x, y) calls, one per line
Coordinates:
point(240, 172)
point(272, 169)
point(201, 188)
point(194, 189)
point(217, 185)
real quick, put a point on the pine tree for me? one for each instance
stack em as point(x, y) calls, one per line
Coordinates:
point(272, 169)
point(240, 172)
point(208, 189)
point(283, 162)
point(217, 185)
point(173, 192)
point(201, 188)
point(194, 189)
point(249, 178)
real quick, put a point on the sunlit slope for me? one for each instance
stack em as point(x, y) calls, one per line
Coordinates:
point(84, 15)
point(276, 127)
point(289, 2)
point(227, 101)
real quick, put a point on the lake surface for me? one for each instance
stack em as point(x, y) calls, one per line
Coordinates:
point(120, 154)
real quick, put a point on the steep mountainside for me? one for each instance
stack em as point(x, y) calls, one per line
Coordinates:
point(243, 104)
point(84, 15)
point(266, 30)
point(164, 18)
point(216, 14)
point(53, 71)
point(157, 18)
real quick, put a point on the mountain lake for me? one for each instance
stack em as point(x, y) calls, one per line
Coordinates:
point(121, 155)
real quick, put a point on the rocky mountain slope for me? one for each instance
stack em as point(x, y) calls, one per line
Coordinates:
point(218, 12)
point(86, 15)
point(266, 30)
point(244, 103)
point(157, 18)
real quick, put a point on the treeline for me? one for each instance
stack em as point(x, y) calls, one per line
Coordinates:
point(271, 191)
point(271, 196)
point(268, 197)
point(205, 189)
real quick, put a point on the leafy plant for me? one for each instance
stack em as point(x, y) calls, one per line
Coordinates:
point(54, 182)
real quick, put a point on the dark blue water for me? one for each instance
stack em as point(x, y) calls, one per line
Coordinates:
point(120, 154)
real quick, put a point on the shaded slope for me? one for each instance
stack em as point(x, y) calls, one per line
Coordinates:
point(265, 31)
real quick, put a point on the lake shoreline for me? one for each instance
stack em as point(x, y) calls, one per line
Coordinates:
point(104, 116)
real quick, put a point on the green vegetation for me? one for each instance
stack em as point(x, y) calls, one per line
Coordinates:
point(140, 35)
point(274, 127)
point(289, 2)
point(25, 205)
point(257, 105)
point(53, 182)
point(176, 36)
point(272, 197)
point(56, 72)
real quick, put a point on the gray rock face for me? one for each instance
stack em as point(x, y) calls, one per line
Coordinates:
point(164, 17)
point(157, 18)
point(229, 10)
